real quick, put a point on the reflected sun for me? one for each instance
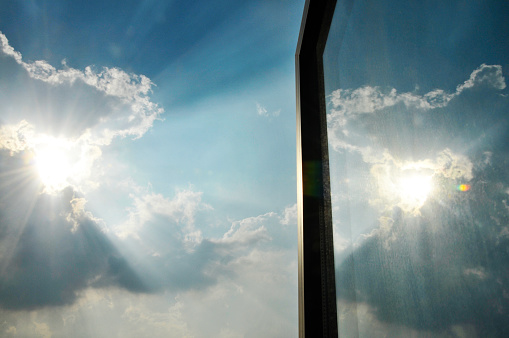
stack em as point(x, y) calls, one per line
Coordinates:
point(52, 161)
point(414, 189)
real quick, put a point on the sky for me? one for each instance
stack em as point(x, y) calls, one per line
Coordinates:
point(417, 107)
point(147, 168)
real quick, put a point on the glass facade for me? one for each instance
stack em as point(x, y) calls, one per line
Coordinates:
point(417, 120)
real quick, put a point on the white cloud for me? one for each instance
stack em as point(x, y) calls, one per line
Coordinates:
point(289, 215)
point(340, 242)
point(83, 109)
point(162, 238)
point(169, 322)
point(246, 231)
point(360, 319)
point(14, 137)
point(347, 103)
point(262, 111)
point(78, 213)
point(479, 272)
point(42, 329)
point(165, 233)
point(8, 50)
point(385, 177)
point(453, 166)
point(159, 241)
point(401, 167)
point(80, 155)
point(131, 89)
point(257, 300)
point(489, 75)
point(11, 330)
point(182, 210)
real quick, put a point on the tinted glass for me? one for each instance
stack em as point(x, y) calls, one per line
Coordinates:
point(417, 107)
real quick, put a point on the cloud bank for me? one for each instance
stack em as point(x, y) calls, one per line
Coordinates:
point(53, 248)
point(125, 108)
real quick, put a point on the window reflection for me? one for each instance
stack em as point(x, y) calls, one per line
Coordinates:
point(417, 126)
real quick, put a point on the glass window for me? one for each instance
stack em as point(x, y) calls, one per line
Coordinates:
point(417, 105)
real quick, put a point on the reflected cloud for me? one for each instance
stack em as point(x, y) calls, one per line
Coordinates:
point(347, 103)
point(409, 184)
point(420, 271)
point(431, 170)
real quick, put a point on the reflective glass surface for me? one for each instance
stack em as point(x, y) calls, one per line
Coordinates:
point(417, 114)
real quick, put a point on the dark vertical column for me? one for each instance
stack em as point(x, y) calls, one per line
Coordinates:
point(317, 292)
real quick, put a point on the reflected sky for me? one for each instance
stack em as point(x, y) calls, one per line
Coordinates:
point(417, 121)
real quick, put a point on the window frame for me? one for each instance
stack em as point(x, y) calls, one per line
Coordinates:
point(316, 276)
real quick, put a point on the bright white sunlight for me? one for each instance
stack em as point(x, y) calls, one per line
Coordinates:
point(52, 160)
point(414, 188)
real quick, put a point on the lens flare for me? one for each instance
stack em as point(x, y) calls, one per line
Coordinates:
point(463, 187)
point(312, 178)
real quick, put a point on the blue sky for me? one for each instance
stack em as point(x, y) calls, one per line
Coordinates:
point(147, 164)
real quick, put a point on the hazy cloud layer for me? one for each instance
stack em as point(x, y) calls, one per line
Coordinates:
point(258, 299)
point(164, 240)
point(53, 248)
point(61, 267)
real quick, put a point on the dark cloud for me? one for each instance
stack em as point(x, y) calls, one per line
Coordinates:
point(51, 247)
point(176, 265)
point(50, 251)
point(448, 266)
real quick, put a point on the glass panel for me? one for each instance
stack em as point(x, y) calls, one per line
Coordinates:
point(417, 108)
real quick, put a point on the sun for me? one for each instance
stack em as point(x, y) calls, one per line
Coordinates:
point(53, 164)
point(407, 187)
point(414, 188)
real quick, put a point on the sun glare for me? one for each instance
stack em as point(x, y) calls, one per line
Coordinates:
point(414, 189)
point(52, 160)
